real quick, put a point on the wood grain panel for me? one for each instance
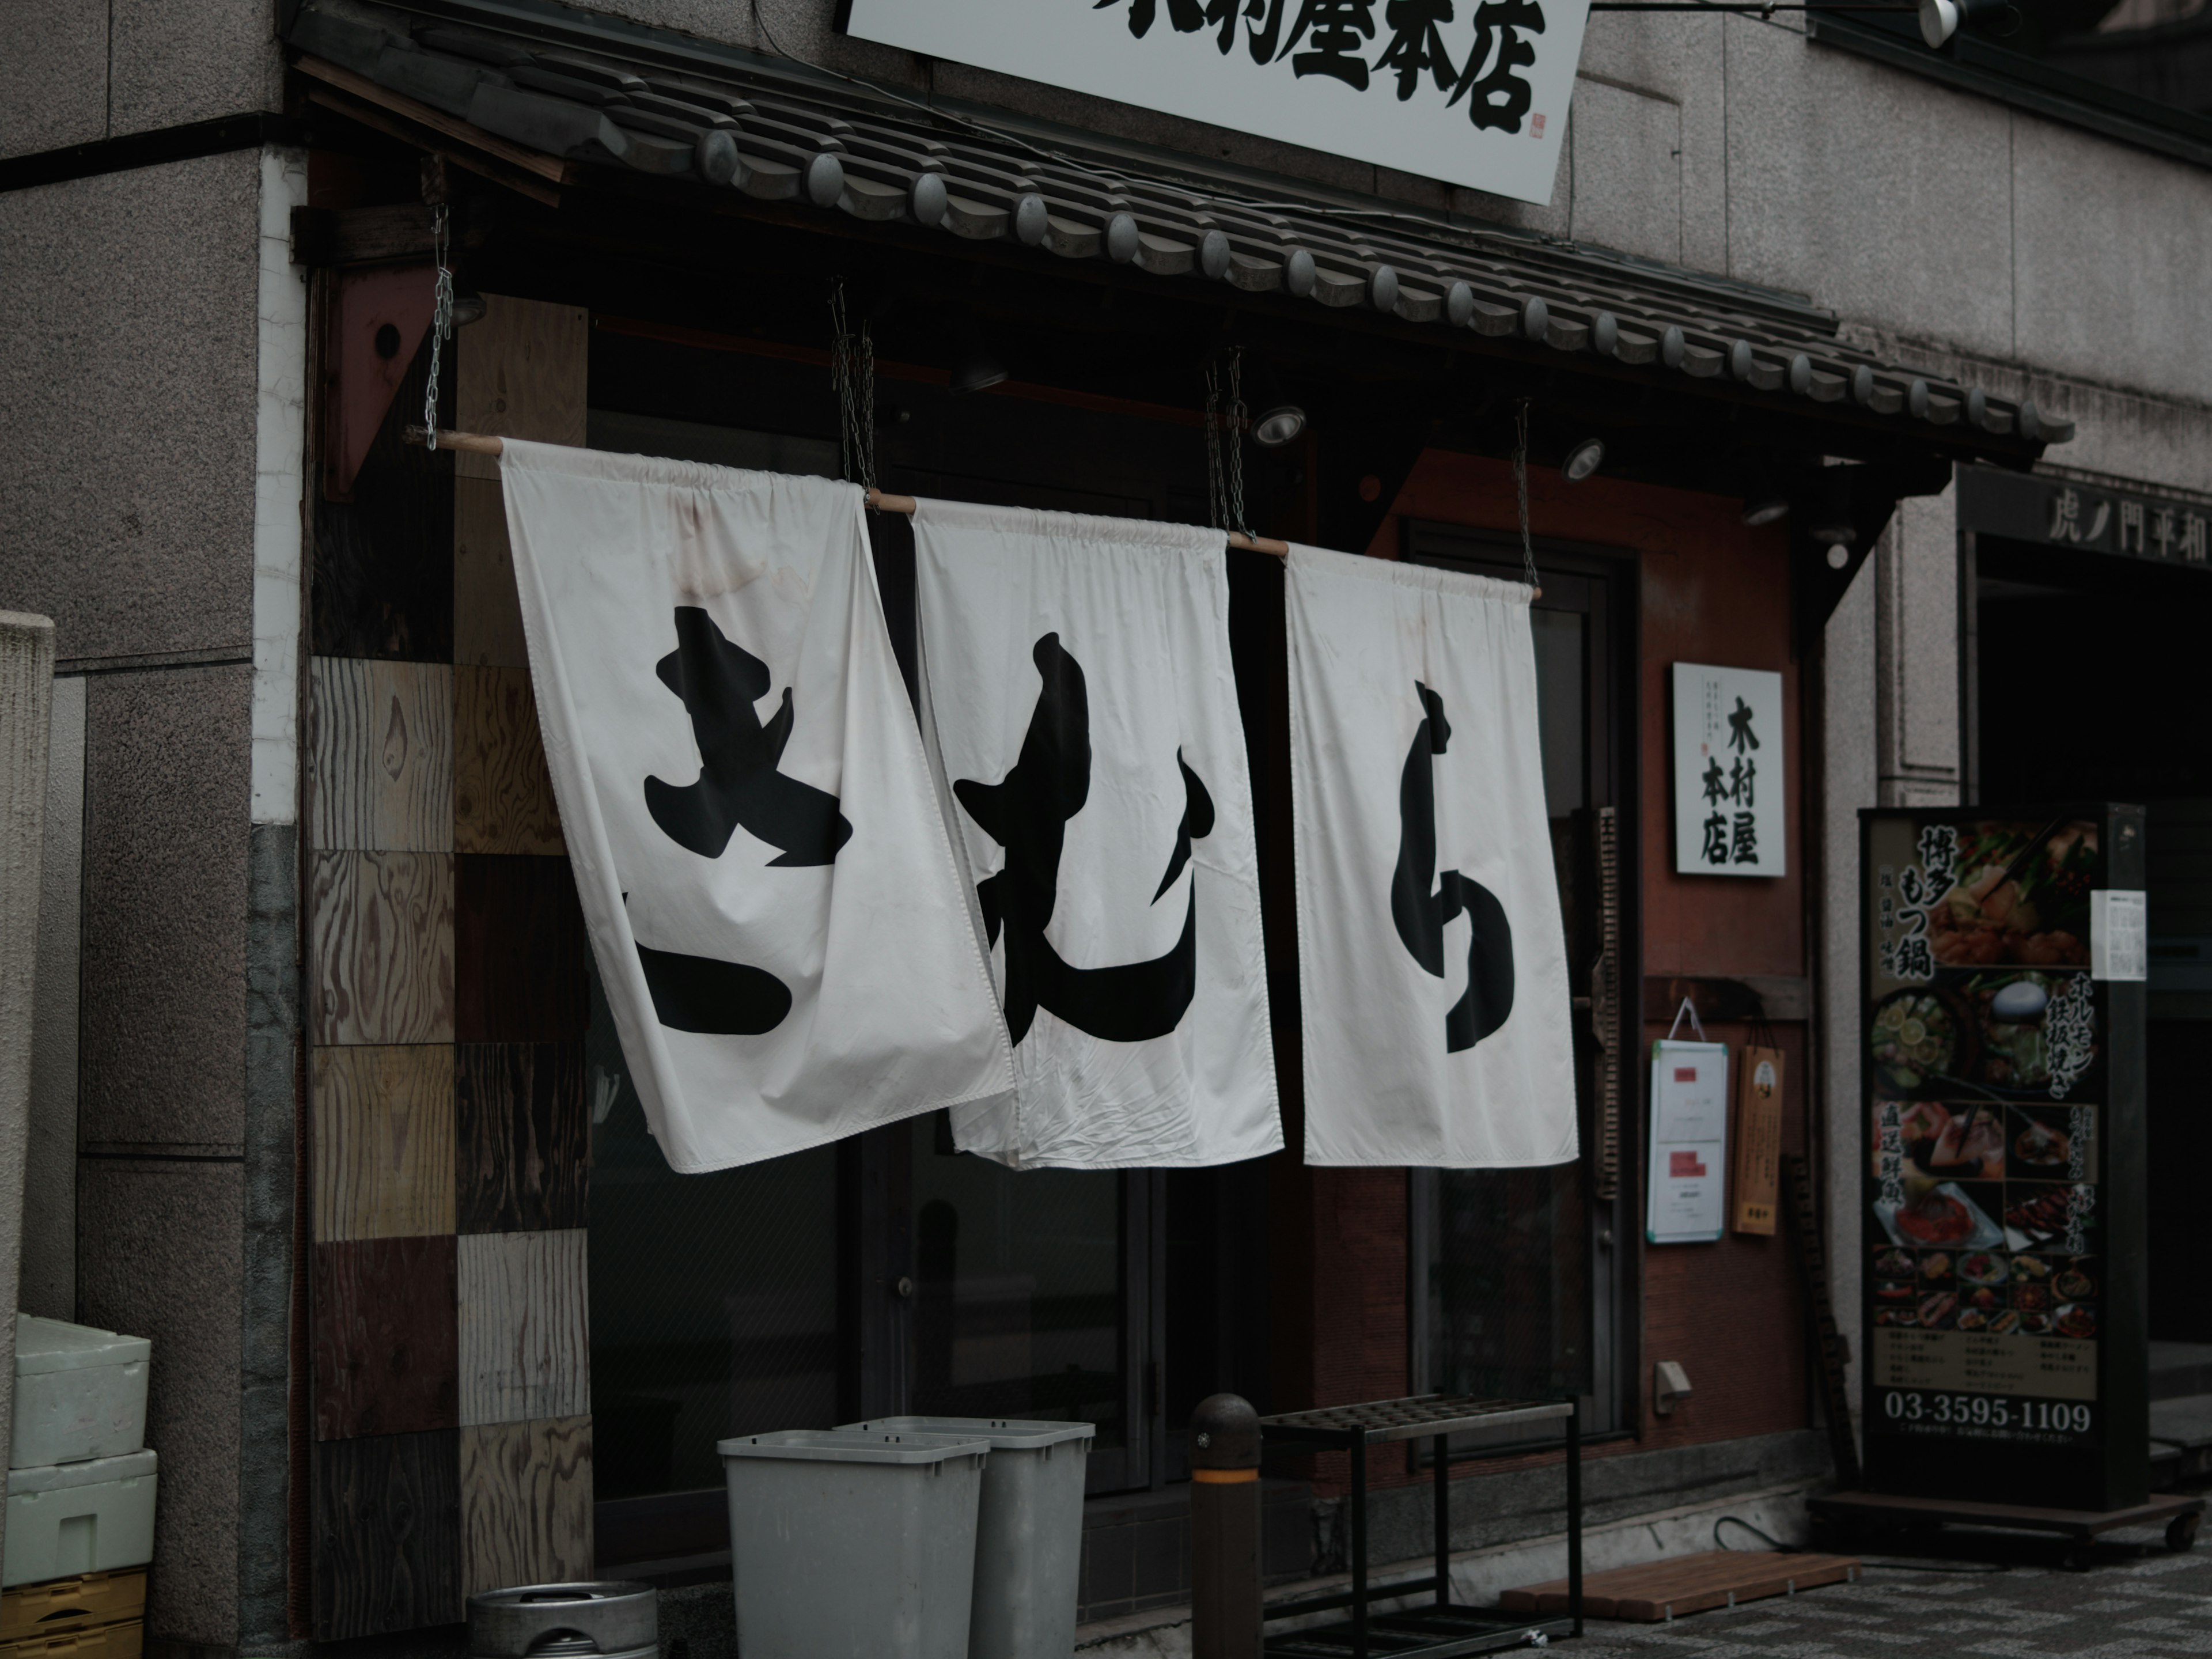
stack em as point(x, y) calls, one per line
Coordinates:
point(524, 1137)
point(382, 937)
point(383, 583)
point(387, 1535)
point(519, 945)
point(524, 1326)
point(486, 611)
point(383, 1142)
point(526, 1503)
point(520, 374)
point(386, 1334)
point(503, 793)
point(380, 744)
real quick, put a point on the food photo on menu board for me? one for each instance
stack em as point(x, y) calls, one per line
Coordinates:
point(1984, 1064)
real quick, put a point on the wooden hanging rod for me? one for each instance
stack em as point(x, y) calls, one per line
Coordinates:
point(477, 443)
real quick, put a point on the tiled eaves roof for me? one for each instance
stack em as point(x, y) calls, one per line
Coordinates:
point(878, 162)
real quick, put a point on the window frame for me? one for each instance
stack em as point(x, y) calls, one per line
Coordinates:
point(1616, 1234)
point(1971, 64)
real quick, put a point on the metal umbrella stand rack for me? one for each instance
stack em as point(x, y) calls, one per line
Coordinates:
point(1442, 1629)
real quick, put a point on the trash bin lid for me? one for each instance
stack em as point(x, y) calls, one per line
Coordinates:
point(842, 1446)
point(1005, 1433)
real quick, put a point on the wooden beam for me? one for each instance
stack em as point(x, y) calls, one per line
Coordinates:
point(530, 161)
point(509, 177)
point(1781, 998)
point(361, 236)
point(477, 443)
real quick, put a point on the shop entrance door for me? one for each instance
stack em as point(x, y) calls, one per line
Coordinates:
point(2116, 726)
point(984, 1291)
point(1518, 1272)
point(890, 1273)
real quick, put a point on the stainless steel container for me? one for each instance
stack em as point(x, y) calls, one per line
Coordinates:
point(612, 1620)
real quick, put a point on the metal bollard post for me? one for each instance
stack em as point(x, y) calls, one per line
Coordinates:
point(1225, 1530)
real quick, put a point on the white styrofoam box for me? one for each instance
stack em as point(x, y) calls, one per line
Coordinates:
point(69, 1518)
point(80, 1392)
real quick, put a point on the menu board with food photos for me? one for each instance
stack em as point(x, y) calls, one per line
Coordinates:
point(2003, 1266)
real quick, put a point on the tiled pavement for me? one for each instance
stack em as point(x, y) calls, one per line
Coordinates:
point(2137, 1600)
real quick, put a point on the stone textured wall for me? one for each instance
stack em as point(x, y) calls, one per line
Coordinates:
point(127, 513)
point(27, 677)
point(74, 74)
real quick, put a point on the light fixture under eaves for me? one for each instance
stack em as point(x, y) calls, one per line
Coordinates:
point(1941, 19)
point(976, 370)
point(1584, 458)
point(1278, 426)
point(1766, 512)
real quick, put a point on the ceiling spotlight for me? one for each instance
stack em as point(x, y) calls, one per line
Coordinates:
point(1838, 533)
point(1584, 458)
point(468, 308)
point(1941, 19)
point(1766, 512)
point(1839, 556)
point(976, 370)
point(1278, 426)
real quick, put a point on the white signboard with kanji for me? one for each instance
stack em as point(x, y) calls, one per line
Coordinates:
point(1728, 787)
point(1472, 92)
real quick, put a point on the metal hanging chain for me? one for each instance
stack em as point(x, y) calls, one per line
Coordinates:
point(1224, 446)
point(853, 375)
point(441, 320)
point(1521, 492)
point(1238, 418)
point(1217, 499)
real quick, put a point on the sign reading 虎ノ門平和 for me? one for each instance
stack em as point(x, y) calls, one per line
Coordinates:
point(1472, 92)
point(1728, 817)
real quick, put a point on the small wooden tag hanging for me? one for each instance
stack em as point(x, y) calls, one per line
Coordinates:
point(1757, 1187)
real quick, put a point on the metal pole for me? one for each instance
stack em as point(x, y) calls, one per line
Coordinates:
point(1442, 1455)
point(1358, 1510)
point(1225, 1530)
point(1575, 1515)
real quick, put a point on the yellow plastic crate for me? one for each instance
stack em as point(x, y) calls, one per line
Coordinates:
point(126, 1640)
point(62, 1606)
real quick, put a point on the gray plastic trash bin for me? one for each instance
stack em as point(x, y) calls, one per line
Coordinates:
point(851, 1545)
point(1028, 1535)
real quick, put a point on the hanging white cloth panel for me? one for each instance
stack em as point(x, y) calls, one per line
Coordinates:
point(769, 889)
point(1432, 978)
point(1081, 698)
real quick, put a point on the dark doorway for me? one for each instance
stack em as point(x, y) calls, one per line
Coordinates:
point(2087, 675)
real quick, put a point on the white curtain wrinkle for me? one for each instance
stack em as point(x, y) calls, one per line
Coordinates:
point(1082, 715)
point(1431, 961)
point(767, 879)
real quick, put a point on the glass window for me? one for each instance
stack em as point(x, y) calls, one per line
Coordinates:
point(2137, 70)
point(1018, 1307)
point(713, 1296)
point(1505, 1299)
point(1508, 1254)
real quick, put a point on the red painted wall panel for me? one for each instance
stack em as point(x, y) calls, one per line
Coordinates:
point(1711, 591)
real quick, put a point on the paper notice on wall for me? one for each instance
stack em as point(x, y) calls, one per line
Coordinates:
point(2119, 934)
point(1758, 1175)
point(1685, 1202)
